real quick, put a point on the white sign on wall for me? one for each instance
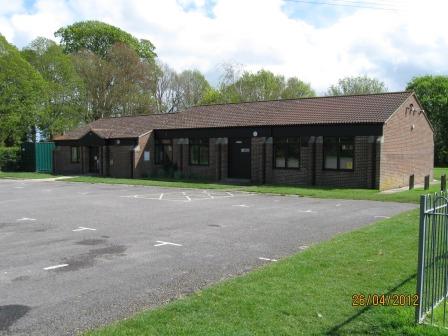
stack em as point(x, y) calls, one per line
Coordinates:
point(146, 156)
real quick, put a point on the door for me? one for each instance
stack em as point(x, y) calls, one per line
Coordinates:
point(239, 158)
point(94, 160)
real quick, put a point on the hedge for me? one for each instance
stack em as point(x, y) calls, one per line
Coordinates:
point(9, 158)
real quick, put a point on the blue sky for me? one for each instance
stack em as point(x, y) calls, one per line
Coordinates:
point(318, 41)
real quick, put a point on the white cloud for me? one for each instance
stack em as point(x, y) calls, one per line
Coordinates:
point(392, 45)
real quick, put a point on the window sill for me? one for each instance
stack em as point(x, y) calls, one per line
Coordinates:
point(337, 170)
point(287, 168)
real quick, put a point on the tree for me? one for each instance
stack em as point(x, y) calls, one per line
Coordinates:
point(432, 92)
point(176, 92)
point(22, 93)
point(356, 85)
point(65, 105)
point(99, 37)
point(192, 86)
point(118, 84)
point(263, 85)
point(295, 88)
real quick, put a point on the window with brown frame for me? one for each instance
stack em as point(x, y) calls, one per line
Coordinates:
point(199, 152)
point(338, 153)
point(287, 152)
point(164, 151)
point(74, 154)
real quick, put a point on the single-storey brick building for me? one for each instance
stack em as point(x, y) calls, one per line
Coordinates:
point(363, 141)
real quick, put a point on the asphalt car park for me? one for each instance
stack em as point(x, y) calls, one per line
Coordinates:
point(76, 256)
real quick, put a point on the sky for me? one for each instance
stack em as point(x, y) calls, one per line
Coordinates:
point(318, 41)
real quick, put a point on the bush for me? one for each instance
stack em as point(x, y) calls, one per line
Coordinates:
point(9, 158)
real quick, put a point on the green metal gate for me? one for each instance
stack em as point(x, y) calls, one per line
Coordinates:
point(38, 157)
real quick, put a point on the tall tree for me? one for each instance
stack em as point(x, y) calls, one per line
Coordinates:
point(99, 37)
point(192, 85)
point(118, 84)
point(176, 92)
point(65, 105)
point(22, 93)
point(432, 91)
point(356, 85)
point(262, 85)
point(295, 88)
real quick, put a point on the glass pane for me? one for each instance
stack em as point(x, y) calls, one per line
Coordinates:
point(331, 162)
point(293, 156)
point(346, 162)
point(280, 156)
point(203, 155)
point(279, 140)
point(330, 152)
point(194, 154)
point(293, 140)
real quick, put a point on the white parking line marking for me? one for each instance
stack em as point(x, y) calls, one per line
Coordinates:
point(382, 217)
point(241, 205)
point(303, 247)
point(161, 243)
point(54, 267)
point(267, 259)
point(24, 219)
point(161, 196)
point(338, 205)
point(19, 187)
point(306, 211)
point(81, 228)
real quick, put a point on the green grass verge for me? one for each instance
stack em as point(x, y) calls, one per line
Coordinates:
point(409, 196)
point(309, 293)
point(25, 175)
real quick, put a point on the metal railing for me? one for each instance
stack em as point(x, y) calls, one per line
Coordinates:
point(432, 275)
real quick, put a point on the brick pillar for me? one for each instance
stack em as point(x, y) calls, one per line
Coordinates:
point(257, 159)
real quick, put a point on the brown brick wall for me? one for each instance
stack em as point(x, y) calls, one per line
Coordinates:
point(360, 177)
point(144, 168)
point(408, 147)
point(62, 161)
point(120, 161)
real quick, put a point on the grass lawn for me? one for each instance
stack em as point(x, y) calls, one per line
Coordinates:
point(25, 175)
point(319, 192)
point(309, 293)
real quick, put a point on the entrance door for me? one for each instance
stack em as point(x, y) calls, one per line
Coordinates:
point(239, 158)
point(94, 160)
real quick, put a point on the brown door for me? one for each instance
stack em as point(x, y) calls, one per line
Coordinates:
point(94, 160)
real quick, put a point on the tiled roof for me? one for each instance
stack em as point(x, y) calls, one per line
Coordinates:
point(355, 109)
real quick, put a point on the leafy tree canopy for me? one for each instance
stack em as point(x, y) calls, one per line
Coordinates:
point(22, 92)
point(432, 91)
point(356, 85)
point(64, 108)
point(262, 85)
point(99, 37)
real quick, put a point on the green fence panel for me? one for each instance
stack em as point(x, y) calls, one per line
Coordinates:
point(44, 157)
point(38, 157)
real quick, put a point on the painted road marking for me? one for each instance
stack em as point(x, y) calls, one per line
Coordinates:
point(306, 211)
point(81, 228)
point(382, 217)
point(19, 187)
point(24, 219)
point(338, 205)
point(161, 243)
point(54, 267)
point(267, 259)
point(241, 205)
point(303, 247)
